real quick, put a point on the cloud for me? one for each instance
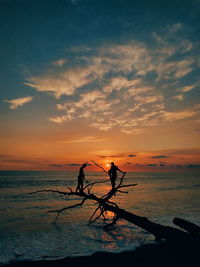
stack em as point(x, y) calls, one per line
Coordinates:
point(132, 155)
point(187, 88)
point(117, 83)
point(18, 160)
point(85, 139)
point(74, 164)
point(128, 163)
point(4, 156)
point(128, 86)
point(193, 166)
point(178, 115)
point(178, 97)
point(61, 119)
point(110, 156)
point(175, 27)
point(160, 157)
point(18, 102)
point(60, 62)
point(162, 164)
point(78, 164)
point(65, 81)
point(57, 165)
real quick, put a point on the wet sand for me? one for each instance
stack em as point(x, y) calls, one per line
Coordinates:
point(158, 254)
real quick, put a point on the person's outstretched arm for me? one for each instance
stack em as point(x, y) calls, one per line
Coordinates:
point(120, 170)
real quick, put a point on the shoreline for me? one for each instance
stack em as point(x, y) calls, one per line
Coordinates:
point(158, 254)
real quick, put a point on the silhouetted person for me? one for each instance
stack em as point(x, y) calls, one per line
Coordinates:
point(81, 178)
point(113, 174)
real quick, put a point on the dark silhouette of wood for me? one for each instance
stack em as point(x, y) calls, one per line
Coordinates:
point(105, 204)
point(188, 226)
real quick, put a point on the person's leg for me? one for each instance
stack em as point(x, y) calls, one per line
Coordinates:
point(81, 185)
point(113, 183)
point(78, 188)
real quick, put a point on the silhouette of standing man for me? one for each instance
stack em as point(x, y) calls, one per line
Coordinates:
point(81, 178)
point(113, 174)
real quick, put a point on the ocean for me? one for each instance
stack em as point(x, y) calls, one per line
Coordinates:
point(28, 232)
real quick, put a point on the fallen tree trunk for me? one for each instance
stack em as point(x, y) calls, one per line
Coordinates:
point(105, 204)
point(188, 226)
point(159, 231)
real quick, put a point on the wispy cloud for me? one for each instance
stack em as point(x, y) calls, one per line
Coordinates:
point(110, 156)
point(85, 139)
point(160, 157)
point(178, 97)
point(187, 88)
point(60, 62)
point(61, 119)
point(18, 102)
point(126, 86)
point(74, 164)
point(4, 156)
point(57, 165)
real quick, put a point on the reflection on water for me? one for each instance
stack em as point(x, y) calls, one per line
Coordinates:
point(27, 231)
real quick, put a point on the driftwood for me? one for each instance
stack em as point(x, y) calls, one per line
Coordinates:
point(104, 204)
point(188, 226)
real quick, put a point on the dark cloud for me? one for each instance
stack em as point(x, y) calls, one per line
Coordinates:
point(110, 156)
point(160, 157)
point(57, 165)
point(128, 163)
point(78, 164)
point(131, 155)
point(178, 166)
point(74, 164)
point(193, 166)
point(4, 156)
point(13, 160)
point(152, 165)
point(162, 165)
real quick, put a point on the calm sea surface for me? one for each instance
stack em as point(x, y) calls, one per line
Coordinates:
point(27, 231)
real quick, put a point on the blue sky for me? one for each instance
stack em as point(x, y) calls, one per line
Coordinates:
point(128, 69)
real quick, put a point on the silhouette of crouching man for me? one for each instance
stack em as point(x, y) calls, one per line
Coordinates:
point(81, 178)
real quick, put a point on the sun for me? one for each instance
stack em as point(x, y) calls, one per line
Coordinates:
point(107, 165)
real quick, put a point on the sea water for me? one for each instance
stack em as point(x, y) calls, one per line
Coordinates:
point(28, 231)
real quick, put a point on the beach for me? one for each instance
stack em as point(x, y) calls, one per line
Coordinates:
point(155, 255)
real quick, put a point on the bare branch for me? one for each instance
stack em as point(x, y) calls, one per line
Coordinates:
point(115, 219)
point(100, 167)
point(93, 214)
point(103, 201)
point(123, 192)
point(95, 218)
point(66, 208)
point(127, 185)
point(121, 179)
point(97, 182)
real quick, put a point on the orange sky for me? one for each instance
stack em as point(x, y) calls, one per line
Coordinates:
point(95, 83)
point(35, 147)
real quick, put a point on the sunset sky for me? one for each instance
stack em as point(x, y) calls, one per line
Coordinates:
point(103, 80)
